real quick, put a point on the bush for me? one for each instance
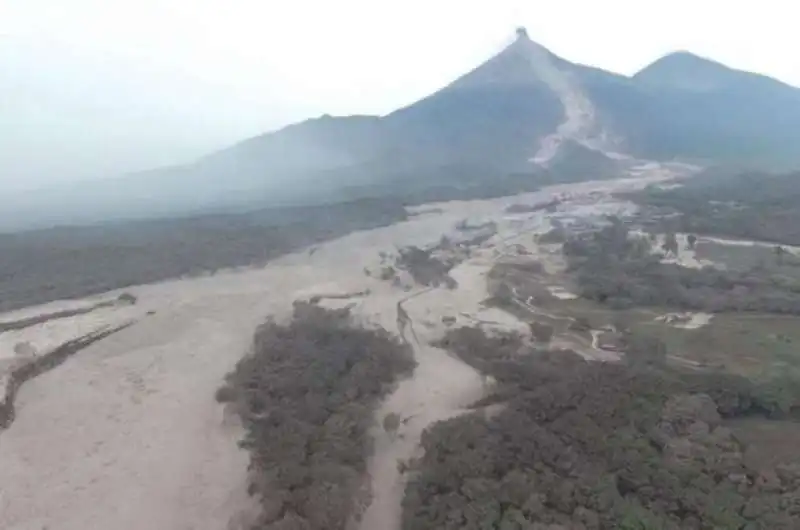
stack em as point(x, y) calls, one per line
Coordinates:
point(554, 236)
point(541, 332)
point(127, 298)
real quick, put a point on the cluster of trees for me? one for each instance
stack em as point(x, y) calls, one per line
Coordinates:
point(579, 445)
point(307, 394)
point(425, 269)
point(553, 236)
point(58, 263)
point(755, 206)
point(620, 269)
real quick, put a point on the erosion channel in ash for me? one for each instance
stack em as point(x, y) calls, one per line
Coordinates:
point(126, 432)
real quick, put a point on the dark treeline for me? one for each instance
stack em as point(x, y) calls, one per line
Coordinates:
point(44, 265)
point(307, 394)
point(578, 445)
point(617, 268)
point(758, 206)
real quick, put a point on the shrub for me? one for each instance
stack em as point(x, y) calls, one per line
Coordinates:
point(127, 298)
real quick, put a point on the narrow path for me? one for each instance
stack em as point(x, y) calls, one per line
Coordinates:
point(441, 388)
point(595, 338)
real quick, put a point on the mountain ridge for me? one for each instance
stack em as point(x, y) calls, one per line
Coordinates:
point(684, 63)
point(508, 117)
point(511, 68)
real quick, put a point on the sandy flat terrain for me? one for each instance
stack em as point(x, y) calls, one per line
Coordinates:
point(126, 434)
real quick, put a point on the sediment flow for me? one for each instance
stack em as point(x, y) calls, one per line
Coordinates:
point(126, 434)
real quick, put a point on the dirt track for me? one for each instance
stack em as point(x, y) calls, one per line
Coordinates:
point(127, 435)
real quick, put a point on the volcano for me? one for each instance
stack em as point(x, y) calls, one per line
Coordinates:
point(522, 118)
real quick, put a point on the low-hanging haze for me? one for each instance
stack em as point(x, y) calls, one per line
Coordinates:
point(91, 88)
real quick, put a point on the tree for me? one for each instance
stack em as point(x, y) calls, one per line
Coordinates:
point(780, 253)
point(391, 422)
point(670, 244)
point(644, 350)
point(541, 332)
point(503, 294)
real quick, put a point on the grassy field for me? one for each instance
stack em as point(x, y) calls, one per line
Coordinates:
point(599, 316)
point(752, 345)
point(760, 346)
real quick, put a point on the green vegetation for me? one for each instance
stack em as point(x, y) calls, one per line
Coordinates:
point(617, 268)
point(553, 236)
point(127, 298)
point(749, 205)
point(596, 446)
point(764, 259)
point(60, 263)
point(307, 394)
point(761, 347)
point(687, 107)
point(425, 269)
point(644, 444)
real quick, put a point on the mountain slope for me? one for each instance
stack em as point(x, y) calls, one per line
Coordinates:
point(496, 112)
point(684, 106)
point(492, 121)
point(684, 70)
point(514, 112)
point(494, 115)
point(524, 116)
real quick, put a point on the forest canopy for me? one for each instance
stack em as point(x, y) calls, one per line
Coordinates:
point(578, 445)
point(306, 395)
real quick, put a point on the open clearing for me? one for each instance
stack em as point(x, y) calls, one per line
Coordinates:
point(126, 434)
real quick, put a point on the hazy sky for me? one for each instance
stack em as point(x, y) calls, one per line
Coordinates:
point(99, 86)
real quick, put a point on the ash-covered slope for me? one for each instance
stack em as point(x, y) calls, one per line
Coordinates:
point(491, 118)
point(507, 116)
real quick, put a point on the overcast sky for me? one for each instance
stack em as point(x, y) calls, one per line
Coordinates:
point(127, 84)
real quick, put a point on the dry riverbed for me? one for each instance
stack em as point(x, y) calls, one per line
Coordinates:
point(126, 434)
